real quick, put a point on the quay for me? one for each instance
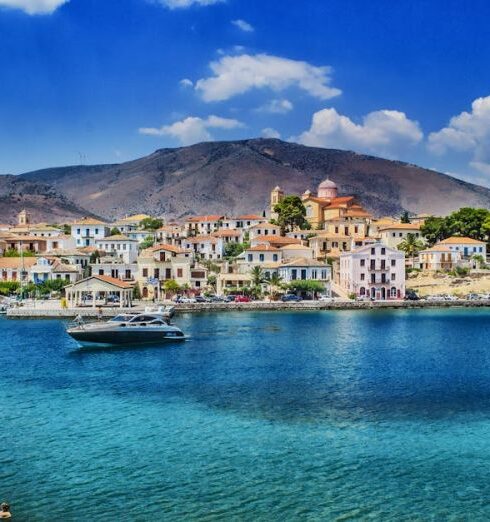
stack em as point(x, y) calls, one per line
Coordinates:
point(42, 311)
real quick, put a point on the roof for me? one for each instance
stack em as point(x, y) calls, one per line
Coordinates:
point(58, 252)
point(16, 262)
point(234, 277)
point(454, 240)
point(262, 248)
point(88, 221)
point(294, 246)
point(115, 237)
point(436, 248)
point(63, 268)
point(89, 249)
point(278, 240)
point(106, 279)
point(201, 239)
point(251, 217)
point(265, 225)
point(303, 261)
point(136, 217)
point(227, 233)
point(327, 183)
point(212, 217)
point(168, 248)
point(401, 226)
point(26, 238)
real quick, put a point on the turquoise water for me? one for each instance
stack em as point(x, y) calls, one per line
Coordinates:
point(342, 415)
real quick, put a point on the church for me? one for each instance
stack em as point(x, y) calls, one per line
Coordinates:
point(326, 206)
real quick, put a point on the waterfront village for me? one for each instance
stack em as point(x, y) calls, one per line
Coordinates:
point(318, 245)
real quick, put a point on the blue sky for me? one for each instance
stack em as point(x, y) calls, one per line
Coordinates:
point(104, 81)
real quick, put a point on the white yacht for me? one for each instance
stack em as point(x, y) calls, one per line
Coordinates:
point(128, 328)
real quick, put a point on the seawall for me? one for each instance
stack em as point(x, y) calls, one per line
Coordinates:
point(41, 312)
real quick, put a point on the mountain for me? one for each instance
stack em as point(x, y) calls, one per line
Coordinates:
point(232, 177)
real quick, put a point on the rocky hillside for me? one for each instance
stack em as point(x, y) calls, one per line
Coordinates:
point(230, 177)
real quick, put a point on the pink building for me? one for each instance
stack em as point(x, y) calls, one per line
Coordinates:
point(375, 271)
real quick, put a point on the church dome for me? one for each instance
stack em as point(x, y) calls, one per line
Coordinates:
point(327, 184)
point(327, 189)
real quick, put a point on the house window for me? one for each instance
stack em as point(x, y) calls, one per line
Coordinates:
point(250, 257)
point(363, 262)
point(156, 273)
point(78, 231)
point(393, 234)
point(274, 257)
point(373, 251)
point(145, 272)
point(294, 274)
point(356, 229)
point(313, 274)
point(261, 257)
point(393, 262)
point(180, 272)
point(363, 277)
point(96, 230)
point(383, 251)
point(393, 277)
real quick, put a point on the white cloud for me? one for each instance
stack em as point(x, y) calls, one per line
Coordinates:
point(243, 25)
point(192, 129)
point(276, 107)
point(34, 7)
point(235, 75)
point(468, 132)
point(180, 4)
point(381, 132)
point(185, 82)
point(270, 133)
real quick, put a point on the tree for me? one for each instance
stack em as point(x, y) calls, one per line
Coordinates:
point(148, 242)
point(12, 252)
point(468, 222)
point(115, 231)
point(411, 245)
point(274, 284)
point(94, 256)
point(306, 285)
point(435, 229)
point(405, 218)
point(257, 275)
point(233, 250)
point(291, 213)
point(171, 287)
point(151, 224)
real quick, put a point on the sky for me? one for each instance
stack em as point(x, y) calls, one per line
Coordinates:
point(106, 81)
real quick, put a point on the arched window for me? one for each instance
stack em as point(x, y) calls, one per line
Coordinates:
point(393, 292)
point(362, 291)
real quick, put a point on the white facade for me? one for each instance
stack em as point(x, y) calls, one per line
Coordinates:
point(393, 235)
point(307, 270)
point(465, 246)
point(375, 271)
point(265, 229)
point(86, 232)
point(121, 246)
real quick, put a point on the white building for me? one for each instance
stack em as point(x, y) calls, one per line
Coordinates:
point(120, 246)
point(393, 235)
point(306, 269)
point(46, 269)
point(259, 254)
point(465, 246)
point(206, 247)
point(202, 225)
point(87, 230)
point(264, 229)
point(374, 270)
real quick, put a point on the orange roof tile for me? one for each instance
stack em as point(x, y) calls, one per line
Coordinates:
point(454, 240)
point(169, 248)
point(212, 217)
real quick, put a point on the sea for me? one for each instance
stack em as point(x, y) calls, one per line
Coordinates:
point(258, 416)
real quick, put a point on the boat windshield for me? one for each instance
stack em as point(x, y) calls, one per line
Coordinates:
point(121, 318)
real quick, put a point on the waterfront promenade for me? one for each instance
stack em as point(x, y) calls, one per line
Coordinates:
point(51, 309)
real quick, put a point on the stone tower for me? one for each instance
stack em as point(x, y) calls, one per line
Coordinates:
point(276, 196)
point(23, 218)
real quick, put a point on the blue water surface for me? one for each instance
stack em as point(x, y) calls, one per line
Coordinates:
point(338, 415)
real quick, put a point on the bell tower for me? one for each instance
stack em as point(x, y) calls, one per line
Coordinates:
point(23, 218)
point(276, 196)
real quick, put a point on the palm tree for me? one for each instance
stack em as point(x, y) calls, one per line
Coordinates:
point(411, 245)
point(274, 282)
point(257, 275)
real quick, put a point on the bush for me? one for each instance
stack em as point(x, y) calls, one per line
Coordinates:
point(352, 296)
point(460, 271)
point(9, 287)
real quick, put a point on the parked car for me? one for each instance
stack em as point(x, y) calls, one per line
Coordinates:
point(185, 300)
point(242, 299)
point(230, 298)
point(201, 299)
point(411, 295)
point(325, 298)
point(286, 298)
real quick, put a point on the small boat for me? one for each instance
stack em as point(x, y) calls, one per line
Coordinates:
point(127, 329)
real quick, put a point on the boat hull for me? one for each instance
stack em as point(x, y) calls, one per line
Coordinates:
point(126, 336)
